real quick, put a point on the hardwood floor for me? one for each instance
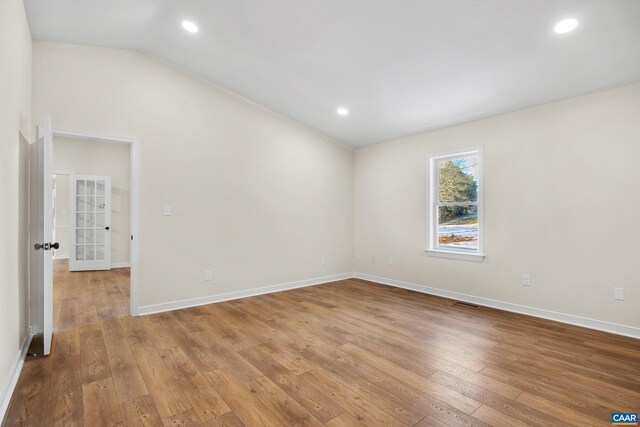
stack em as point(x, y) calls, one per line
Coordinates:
point(350, 353)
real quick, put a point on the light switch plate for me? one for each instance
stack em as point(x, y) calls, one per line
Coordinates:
point(166, 210)
point(618, 293)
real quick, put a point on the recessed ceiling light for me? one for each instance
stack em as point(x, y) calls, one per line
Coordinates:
point(566, 25)
point(190, 26)
point(342, 111)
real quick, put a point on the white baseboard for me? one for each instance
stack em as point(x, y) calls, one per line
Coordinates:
point(600, 325)
point(176, 305)
point(113, 265)
point(120, 265)
point(570, 319)
point(12, 379)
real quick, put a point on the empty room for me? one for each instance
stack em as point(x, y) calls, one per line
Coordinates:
point(305, 213)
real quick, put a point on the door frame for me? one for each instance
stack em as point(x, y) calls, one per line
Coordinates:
point(134, 151)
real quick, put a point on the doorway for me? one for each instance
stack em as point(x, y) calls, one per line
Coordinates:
point(48, 191)
point(96, 229)
point(91, 223)
point(91, 204)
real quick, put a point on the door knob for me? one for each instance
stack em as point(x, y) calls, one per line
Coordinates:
point(107, 228)
point(46, 246)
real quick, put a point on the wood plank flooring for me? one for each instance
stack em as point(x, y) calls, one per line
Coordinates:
point(350, 353)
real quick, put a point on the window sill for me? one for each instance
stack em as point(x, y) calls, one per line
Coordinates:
point(455, 255)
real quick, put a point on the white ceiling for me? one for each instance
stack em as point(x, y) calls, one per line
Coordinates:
point(400, 66)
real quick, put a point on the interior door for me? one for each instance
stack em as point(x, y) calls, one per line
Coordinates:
point(43, 232)
point(90, 219)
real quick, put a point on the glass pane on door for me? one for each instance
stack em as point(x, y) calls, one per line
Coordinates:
point(80, 252)
point(80, 187)
point(90, 236)
point(99, 252)
point(90, 220)
point(100, 203)
point(81, 204)
point(90, 253)
point(100, 220)
point(80, 220)
point(91, 187)
point(90, 204)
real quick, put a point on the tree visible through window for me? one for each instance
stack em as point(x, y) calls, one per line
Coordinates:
point(455, 202)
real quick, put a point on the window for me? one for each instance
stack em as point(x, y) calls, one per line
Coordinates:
point(455, 229)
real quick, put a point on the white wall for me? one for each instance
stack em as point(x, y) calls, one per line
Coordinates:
point(15, 115)
point(259, 200)
point(83, 157)
point(562, 203)
point(256, 198)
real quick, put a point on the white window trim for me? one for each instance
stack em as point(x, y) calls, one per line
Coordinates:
point(432, 232)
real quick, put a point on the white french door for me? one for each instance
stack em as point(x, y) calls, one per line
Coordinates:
point(90, 219)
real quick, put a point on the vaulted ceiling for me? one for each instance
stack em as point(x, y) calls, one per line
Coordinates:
point(399, 66)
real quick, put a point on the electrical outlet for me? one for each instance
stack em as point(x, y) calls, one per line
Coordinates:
point(618, 293)
point(166, 210)
point(526, 280)
point(392, 262)
point(208, 276)
point(373, 260)
point(323, 261)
